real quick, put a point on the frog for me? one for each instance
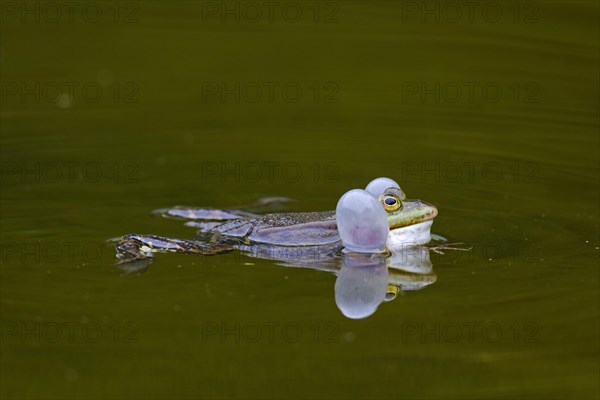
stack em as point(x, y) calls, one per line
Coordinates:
point(283, 236)
point(311, 240)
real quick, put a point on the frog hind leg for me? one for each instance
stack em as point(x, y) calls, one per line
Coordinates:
point(266, 205)
point(206, 214)
point(261, 206)
point(133, 247)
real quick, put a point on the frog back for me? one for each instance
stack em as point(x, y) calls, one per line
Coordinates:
point(296, 229)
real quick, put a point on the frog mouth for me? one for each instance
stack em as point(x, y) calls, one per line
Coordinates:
point(410, 236)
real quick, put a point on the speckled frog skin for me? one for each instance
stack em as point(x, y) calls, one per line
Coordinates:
point(285, 229)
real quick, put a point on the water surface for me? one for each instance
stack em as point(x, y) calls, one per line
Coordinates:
point(494, 121)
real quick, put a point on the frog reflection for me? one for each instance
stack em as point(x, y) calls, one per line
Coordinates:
point(365, 281)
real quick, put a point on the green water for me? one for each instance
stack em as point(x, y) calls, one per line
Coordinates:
point(492, 117)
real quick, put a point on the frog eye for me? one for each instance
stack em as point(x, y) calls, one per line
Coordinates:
point(390, 202)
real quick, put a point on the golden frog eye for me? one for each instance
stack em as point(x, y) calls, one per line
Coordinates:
point(390, 202)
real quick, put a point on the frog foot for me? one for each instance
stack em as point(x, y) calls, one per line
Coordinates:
point(132, 248)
